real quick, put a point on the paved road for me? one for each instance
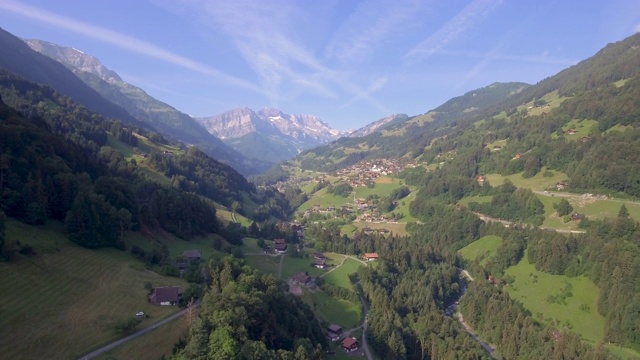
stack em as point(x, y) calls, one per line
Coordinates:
point(488, 219)
point(365, 325)
point(114, 344)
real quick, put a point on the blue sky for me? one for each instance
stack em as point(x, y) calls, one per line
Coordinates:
point(348, 62)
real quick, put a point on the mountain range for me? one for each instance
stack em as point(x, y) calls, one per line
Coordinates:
point(269, 134)
point(133, 101)
point(251, 141)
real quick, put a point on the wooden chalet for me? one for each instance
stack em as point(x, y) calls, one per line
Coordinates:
point(349, 344)
point(167, 295)
point(371, 256)
point(302, 279)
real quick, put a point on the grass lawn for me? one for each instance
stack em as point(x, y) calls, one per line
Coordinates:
point(340, 276)
point(479, 199)
point(582, 127)
point(250, 245)
point(486, 246)
point(396, 228)
point(152, 345)
point(334, 311)
point(538, 182)
point(533, 292)
point(264, 264)
point(592, 208)
point(65, 300)
point(293, 265)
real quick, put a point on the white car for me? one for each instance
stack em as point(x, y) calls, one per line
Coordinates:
point(140, 314)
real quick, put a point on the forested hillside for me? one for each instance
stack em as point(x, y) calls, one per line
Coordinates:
point(97, 177)
point(407, 138)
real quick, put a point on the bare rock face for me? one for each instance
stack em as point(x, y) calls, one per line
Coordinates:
point(306, 130)
point(75, 58)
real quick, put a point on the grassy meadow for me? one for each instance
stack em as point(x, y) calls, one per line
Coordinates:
point(537, 182)
point(340, 276)
point(152, 345)
point(65, 300)
point(334, 311)
point(484, 247)
point(533, 288)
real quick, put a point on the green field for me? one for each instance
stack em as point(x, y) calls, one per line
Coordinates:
point(152, 345)
point(65, 301)
point(293, 265)
point(264, 264)
point(486, 247)
point(479, 199)
point(532, 288)
point(582, 127)
point(592, 208)
point(334, 311)
point(537, 182)
point(340, 276)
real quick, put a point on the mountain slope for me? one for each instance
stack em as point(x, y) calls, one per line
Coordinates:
point(269, 134)
point(379, 125)
point(144, 107)
point(18, 58)
point(406, 138)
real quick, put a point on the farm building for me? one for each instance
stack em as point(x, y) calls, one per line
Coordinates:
point(167, 295)
point(371, 256)
point(349, 344)
point(302, 279)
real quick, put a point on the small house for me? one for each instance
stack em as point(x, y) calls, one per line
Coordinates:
point(302, 279)
point(577, 217)
point(481, 179)
point(167, 295)
point(319, 256)
point(561, 185)
point(349, 344)
point(334, 331)
point(572, 131)
point(279, 246)
point(320, 263)
point(192, 255)
point(371, 256)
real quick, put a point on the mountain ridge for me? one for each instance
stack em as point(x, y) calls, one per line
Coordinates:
point(140, 105)
point(269, 133)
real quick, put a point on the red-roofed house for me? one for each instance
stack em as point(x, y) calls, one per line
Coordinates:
point(167, 295)
point(371, 256)
point(349, 344)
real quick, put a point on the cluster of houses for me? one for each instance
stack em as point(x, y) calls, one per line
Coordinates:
point(365, 172)
point(365, 210)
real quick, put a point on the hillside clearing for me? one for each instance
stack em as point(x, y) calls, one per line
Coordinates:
point(70, 297)
point(484, 247)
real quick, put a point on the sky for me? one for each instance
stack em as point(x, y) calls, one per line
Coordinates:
point(348, 62)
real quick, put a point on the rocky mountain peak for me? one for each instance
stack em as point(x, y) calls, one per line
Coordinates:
point(75, 59)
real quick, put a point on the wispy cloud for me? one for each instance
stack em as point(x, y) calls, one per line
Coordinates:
point(371, 27)
point(124, 41)
point(375, 86)
point(455, 27)
point(263, 35)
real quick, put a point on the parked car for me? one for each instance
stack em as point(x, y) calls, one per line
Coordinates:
point(140, 314)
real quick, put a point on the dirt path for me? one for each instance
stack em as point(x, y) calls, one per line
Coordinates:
point(280, 266)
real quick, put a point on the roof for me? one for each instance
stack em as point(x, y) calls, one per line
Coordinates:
point(318, 255)
point(335, 328)
point(349, 342)
point(280, 246)
point(321, 261)
point(371, 255)
point(164, 294)
point(278, 241)
point(301, 278)
point(192, 253)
